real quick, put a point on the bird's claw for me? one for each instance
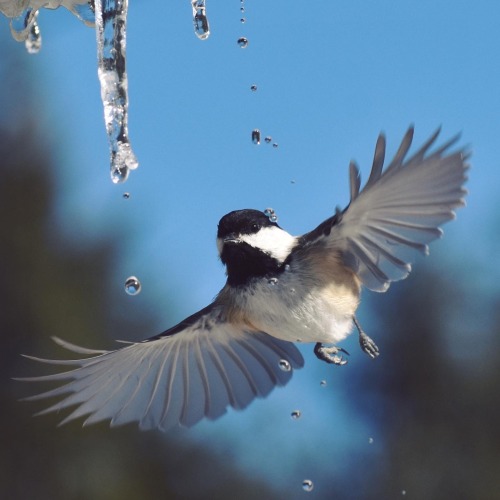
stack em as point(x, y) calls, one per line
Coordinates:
point(368, 345)
point(330, 354)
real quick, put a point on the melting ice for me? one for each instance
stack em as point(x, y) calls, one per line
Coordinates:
point(110, 20)
point(200, 20)
point(111, 23)
point(109, 17)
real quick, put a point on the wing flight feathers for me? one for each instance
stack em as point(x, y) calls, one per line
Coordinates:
point(190, 372)
point(399, 210)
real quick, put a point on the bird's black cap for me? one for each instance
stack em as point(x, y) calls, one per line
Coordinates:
point(246, 221)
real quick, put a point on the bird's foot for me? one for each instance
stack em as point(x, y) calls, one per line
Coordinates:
point(366, 343)
point(330, 354)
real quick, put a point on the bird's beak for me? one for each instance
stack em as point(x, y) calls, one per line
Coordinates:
point(232, 239)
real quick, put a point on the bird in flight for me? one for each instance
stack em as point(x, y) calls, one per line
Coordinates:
point(280, 290)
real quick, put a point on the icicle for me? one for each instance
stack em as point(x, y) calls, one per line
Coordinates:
point(110, 22)
point(200, 20)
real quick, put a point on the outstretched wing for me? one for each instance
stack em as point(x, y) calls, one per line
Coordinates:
point(194, 370)
point(397, 213)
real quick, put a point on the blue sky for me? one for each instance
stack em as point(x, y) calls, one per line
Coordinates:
point(330, 77)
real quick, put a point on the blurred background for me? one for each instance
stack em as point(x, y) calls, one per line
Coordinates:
point(421, 421)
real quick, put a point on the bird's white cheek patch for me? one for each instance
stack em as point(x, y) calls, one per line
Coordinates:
point(272, 240)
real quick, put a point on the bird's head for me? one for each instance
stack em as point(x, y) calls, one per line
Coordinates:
point(251, 244)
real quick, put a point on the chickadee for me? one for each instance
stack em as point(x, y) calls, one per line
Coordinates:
point(280, 289)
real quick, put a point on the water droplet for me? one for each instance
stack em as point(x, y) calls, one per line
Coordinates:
point(253, 88)
point(370, 440)
point(269, 212)
point(307, 485)
point(268, 139)
point(323, 383)
point(242, 20)
point(284, 365)
point(403, 492)
point(200, 20)
point(132, 285)
point(126, 195)
point(292, 181)
point(296, 414)
point(242, 9)
point(119, 175)
point(275, 145)
point(273, 281)
point(256, 136)
point(242, 42)
point(287, 267)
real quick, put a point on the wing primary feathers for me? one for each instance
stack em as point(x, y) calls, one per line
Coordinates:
point(447, 145)
point(396, 238)
point(185, 380)
point(76, 348)
point(158, 377)
point(419, 155)
point(355, 180)
point(378, 161)
point(243, 369)
point(403, 266)
point(203, 374)
point(263, 362)
point(214, 356)
point(277, 346)
point(404, 147)
point(170, 384)
point(363, 255)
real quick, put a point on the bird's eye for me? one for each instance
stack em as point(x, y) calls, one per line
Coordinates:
point(255, 227)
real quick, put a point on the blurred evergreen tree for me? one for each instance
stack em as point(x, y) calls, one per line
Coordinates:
point(48, 287)
point(437, 412)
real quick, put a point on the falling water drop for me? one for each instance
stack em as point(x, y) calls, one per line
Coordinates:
point(273, 281)
point(403, 492)
point(256, 136)
point(119, 175)
point(132, 285)
point(268, 139)
point(307, 485)
point(284, 365)
point(126, 195)
point(253, 88)
point(111, 21)
point(275, 145)
point(200, 20)
point(296, 414)
point(242, 42)
point(370, 440)
point(269, 212)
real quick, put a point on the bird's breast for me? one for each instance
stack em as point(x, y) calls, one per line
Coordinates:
point(296, 306)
